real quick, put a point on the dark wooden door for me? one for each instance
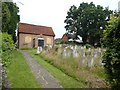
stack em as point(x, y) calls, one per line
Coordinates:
point(40, 42)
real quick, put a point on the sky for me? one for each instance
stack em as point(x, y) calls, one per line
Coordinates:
point(52, 13)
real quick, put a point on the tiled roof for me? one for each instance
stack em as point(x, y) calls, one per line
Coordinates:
point(35, 29)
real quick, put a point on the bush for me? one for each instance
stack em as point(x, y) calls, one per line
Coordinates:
point(111, 58)
point(88, 46)
point(57, 43)
point(7, 48)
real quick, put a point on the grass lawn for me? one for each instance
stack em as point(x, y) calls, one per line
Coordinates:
point(65, 80)
point(19, 73)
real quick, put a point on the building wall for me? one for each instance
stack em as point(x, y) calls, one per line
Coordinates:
point(26, 40)
point(65, 38)
point(49, 40)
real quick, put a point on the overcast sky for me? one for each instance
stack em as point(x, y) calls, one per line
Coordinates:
point(53, 12)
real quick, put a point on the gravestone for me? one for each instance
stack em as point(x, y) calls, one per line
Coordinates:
point(60, 51)
point(92, 62)
point(39, 50)
point(75, 53)
point(64, 53)
point(95, 54)
point(83, 57)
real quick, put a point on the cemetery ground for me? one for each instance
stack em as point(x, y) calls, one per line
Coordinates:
point(82, 66)
point(73, 67)
point(19, 73)
point(65, 80)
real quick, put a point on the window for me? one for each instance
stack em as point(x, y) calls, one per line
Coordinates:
point(27, 39)
point(49, 41)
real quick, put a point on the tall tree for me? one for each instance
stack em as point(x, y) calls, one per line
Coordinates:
point(88, 21)
point(10, 18)
point(111, 58)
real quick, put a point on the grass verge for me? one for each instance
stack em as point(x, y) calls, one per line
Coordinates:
point(65, 80)
point(89, 77)
point(19, 73)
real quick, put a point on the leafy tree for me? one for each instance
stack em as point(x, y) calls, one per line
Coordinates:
point(9, 24)
point(88, 21)
point(111, 58)
point(10, 18)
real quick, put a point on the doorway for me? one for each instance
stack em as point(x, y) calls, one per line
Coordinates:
point(33, 42)
point(41, 42)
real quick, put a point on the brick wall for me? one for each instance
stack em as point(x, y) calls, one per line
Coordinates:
point(26, 40)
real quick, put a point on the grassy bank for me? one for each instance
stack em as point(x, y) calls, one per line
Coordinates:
point(88, 77)
point(65, 80)
point(19, 73)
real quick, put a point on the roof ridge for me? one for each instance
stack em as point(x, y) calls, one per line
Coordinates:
point(31, 28)
point(35, 25)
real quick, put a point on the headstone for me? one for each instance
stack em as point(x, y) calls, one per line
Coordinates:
point(39, 50)
point(50, 46)
point(83, 58)
point(68, 53)
point(71, 47)
point(64, 53)
point(75, 47)
point(75, 53)
point(84, 47)
point(60, 45)
point(60, 51)
point(91, 63)
point(95, 54)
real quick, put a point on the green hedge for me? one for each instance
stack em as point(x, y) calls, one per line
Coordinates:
point(7, 48)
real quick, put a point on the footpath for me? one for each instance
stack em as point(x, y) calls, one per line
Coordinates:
point(41, 74)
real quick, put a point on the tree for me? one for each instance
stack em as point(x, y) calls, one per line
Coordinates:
point(10, 18)
point(9, 24)
point(88, 21)
point(111, 58)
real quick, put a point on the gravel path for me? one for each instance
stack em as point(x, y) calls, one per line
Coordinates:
point(41, 74)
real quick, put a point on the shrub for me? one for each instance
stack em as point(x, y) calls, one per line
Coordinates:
point(111, 58)
point(7, 48)
point(88, 46)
